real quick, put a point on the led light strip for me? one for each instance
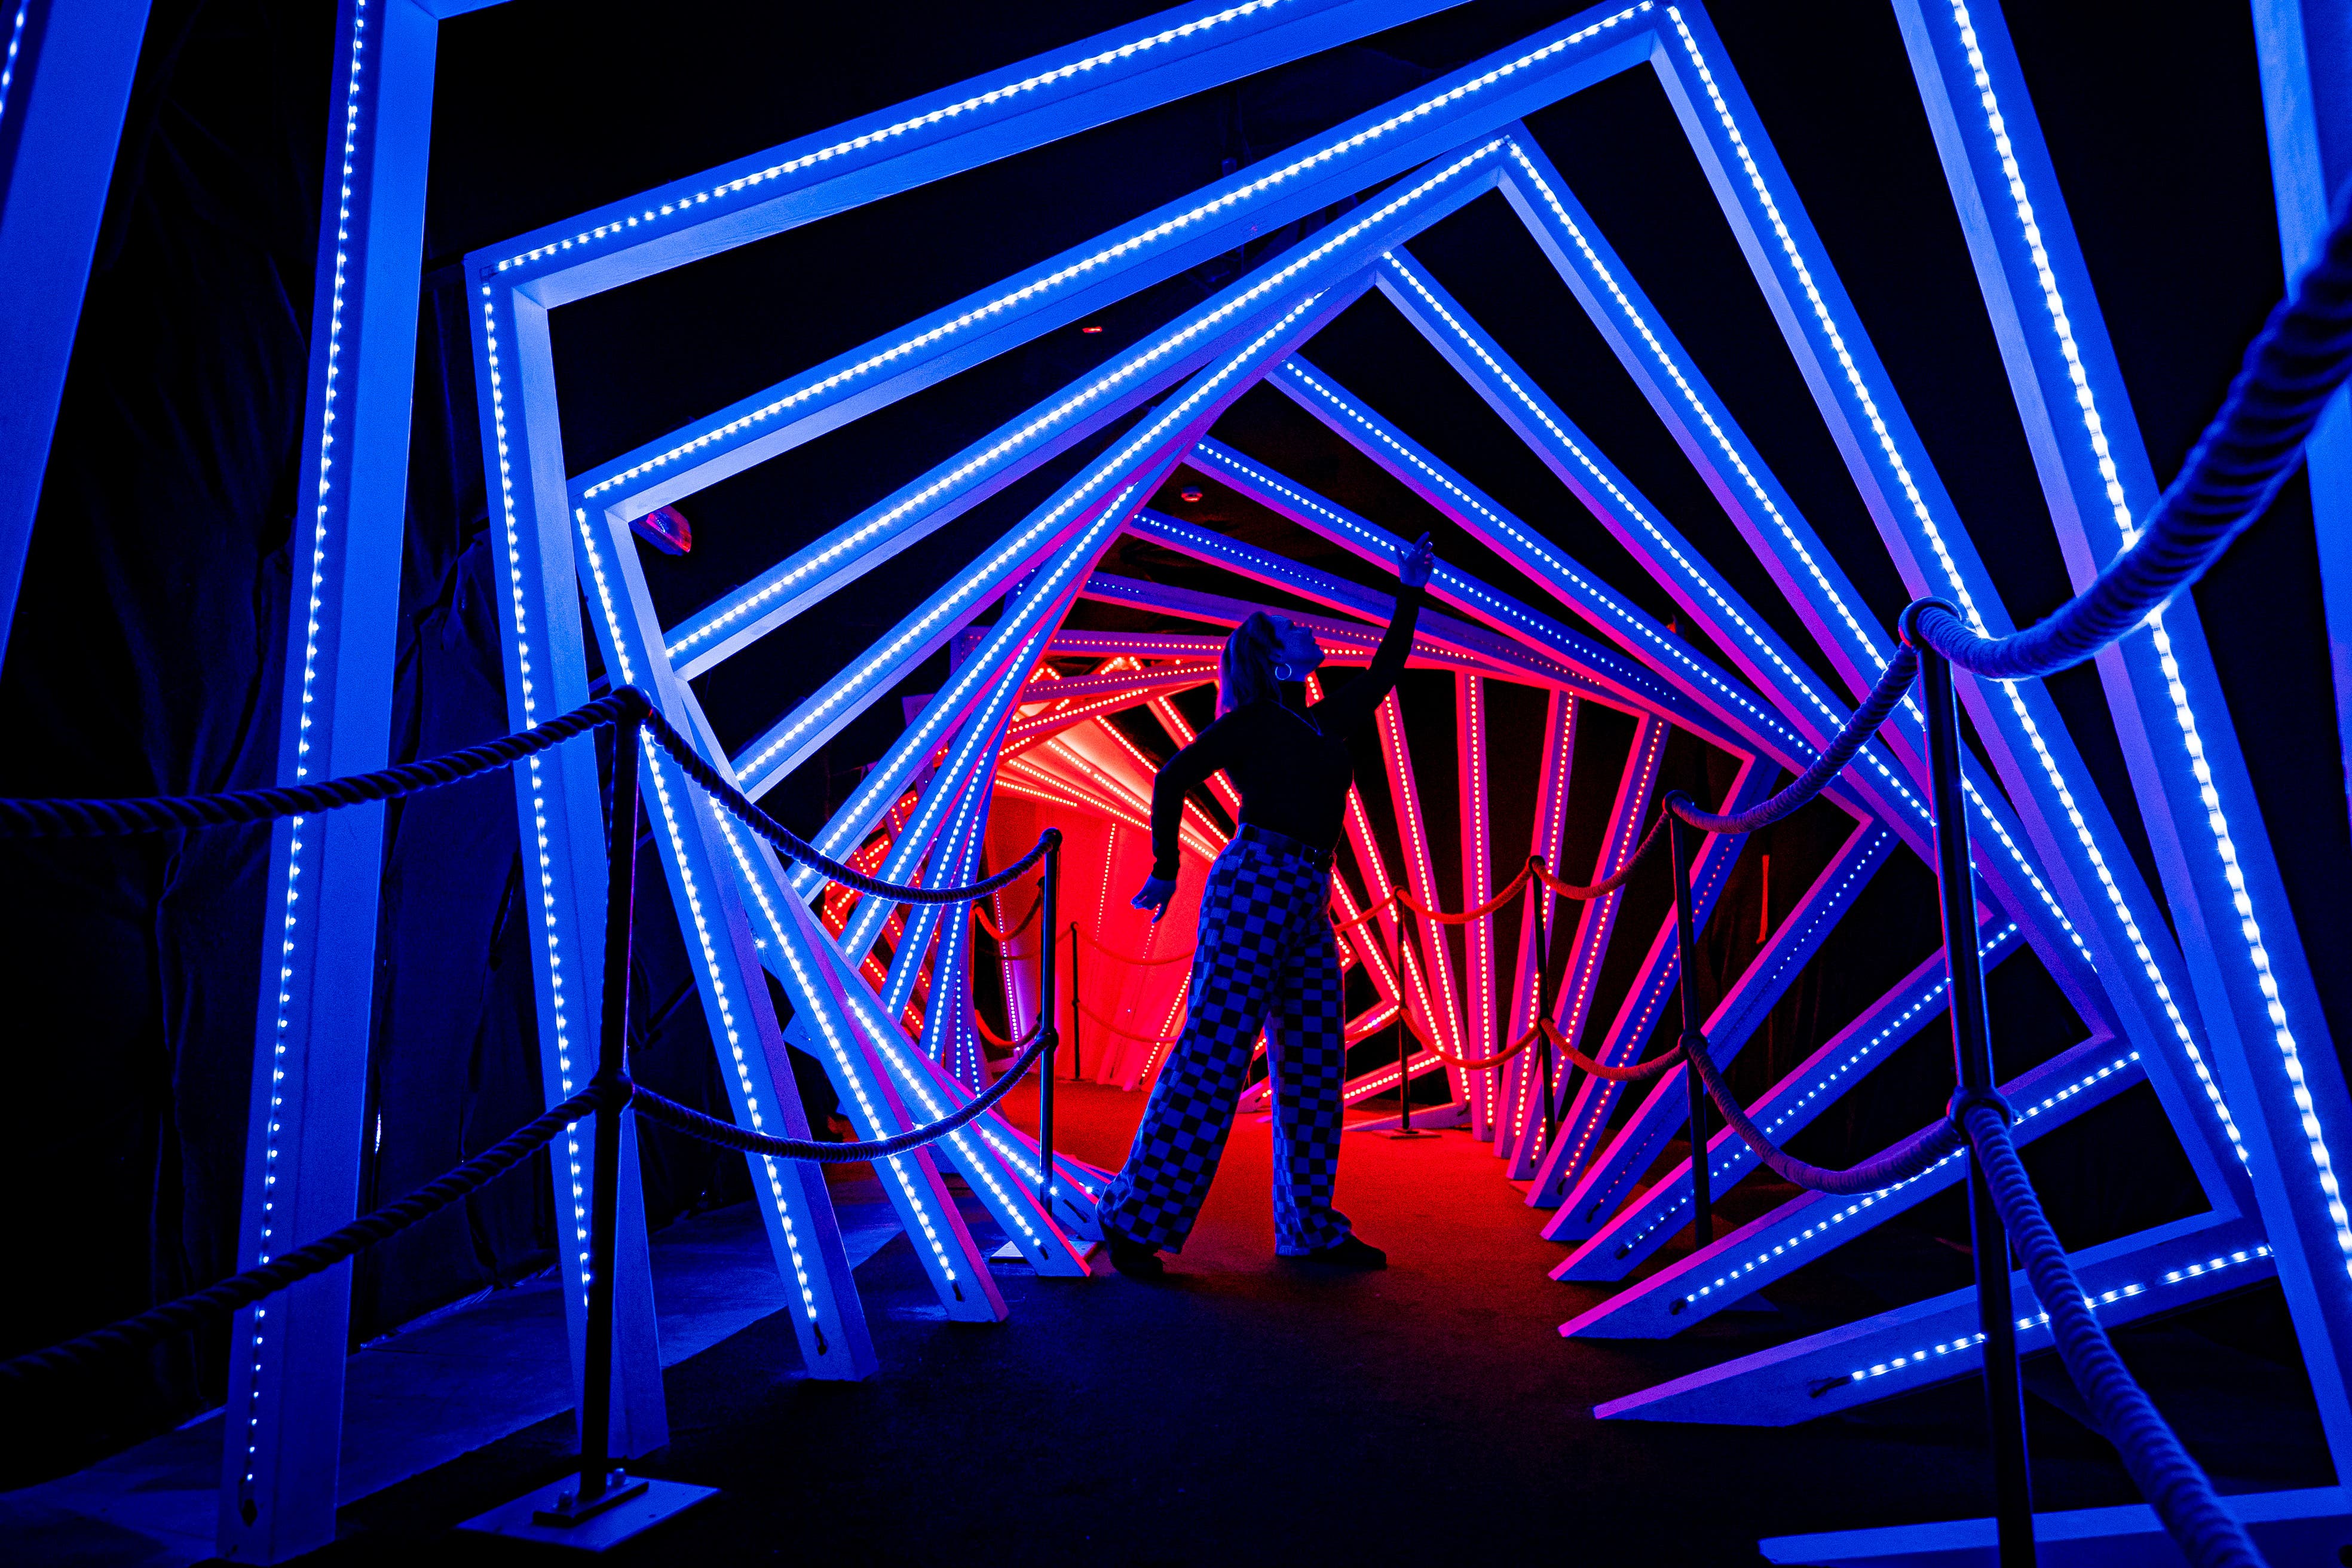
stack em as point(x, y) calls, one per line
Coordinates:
point(1135, 241)
point(944, 858)
point(1379, 544)
point(268, 1241)
point(2218, 824)
point(1167, 1026)
point(1026, 541)
point(1821, 1227)
point(15, 42)
point(890, 1045)
point(1950, 567)
point(528, 693)
point(1009, 89)
point(1633, 1152)
point(753, 876)
point(1628, 619)
point(657, 764)
point(1792, 676)
point(1864, 643)
point(957, 851)
point(1857, 631)
point(763, 767)
point(2197, 1270)
point(1591, 596)
point(807, 985)
point(1735, 1158)
point(1078, 555)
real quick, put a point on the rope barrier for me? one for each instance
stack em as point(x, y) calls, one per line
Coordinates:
point(1640, 1072)
point(2173, 1483)
point(2292, 368)
point(744, 810)
point(1611, 882)
point(1022, 924)
point(1893, 682)
point(1478, 1064)
point(1498, 901)
point(71, 818)
point(993, 1038)
point(1916, 1155)
point(165, 814)
point(224, 1297)
point(726, 1135)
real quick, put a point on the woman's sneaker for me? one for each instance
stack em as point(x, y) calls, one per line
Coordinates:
point(1132, 1257)
point(1349, 1252)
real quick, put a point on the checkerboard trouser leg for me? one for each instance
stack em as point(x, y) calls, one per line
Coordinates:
point(1307, 1048)
point(1245, 918)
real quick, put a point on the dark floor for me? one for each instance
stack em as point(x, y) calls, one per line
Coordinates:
point(1252, 1410)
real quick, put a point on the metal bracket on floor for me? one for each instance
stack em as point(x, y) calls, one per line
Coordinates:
point(625, 1508)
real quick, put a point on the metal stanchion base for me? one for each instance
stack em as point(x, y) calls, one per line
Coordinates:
point(1428, 1120)
point(628, 1509)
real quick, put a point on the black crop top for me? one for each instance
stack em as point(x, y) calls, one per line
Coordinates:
point(1292, 770)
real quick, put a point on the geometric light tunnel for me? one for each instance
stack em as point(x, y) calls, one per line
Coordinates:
point(2222, 1024)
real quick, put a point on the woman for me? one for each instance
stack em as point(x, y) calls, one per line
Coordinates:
point(1266, 957)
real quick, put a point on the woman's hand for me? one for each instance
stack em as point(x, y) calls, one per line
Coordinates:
point(1413, 571)
point(1157, 891)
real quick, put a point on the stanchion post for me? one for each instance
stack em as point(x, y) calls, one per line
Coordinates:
point(601, 1485)
point(1686, 953)
point(1972, 1059)
point(1543, 1002)
point(1049, 915)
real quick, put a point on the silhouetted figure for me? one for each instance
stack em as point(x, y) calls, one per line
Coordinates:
point(1266, 956)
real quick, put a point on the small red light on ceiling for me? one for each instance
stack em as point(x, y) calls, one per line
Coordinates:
point(1190, 495)
point(1092, 328)
point(666, 530)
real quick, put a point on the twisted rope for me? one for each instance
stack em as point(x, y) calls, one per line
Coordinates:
point(2172, 1482)
point(1640, 1072)
point(218, 1301)
point(1477, 1064)
point(726, 1135)
point(1022, 924)
point(2292, 368)
point(1441, 916)
point(1611, 882)
point(1916, 1155)
point(741, 808)
point(993, 1038)
point(1893, 682)
point(163, 813)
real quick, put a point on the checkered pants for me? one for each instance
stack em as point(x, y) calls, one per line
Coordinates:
point(1266, 959)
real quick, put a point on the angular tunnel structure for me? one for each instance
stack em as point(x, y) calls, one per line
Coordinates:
point(1062, 585)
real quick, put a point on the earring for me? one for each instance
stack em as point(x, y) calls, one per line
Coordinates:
point(1281, 672)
